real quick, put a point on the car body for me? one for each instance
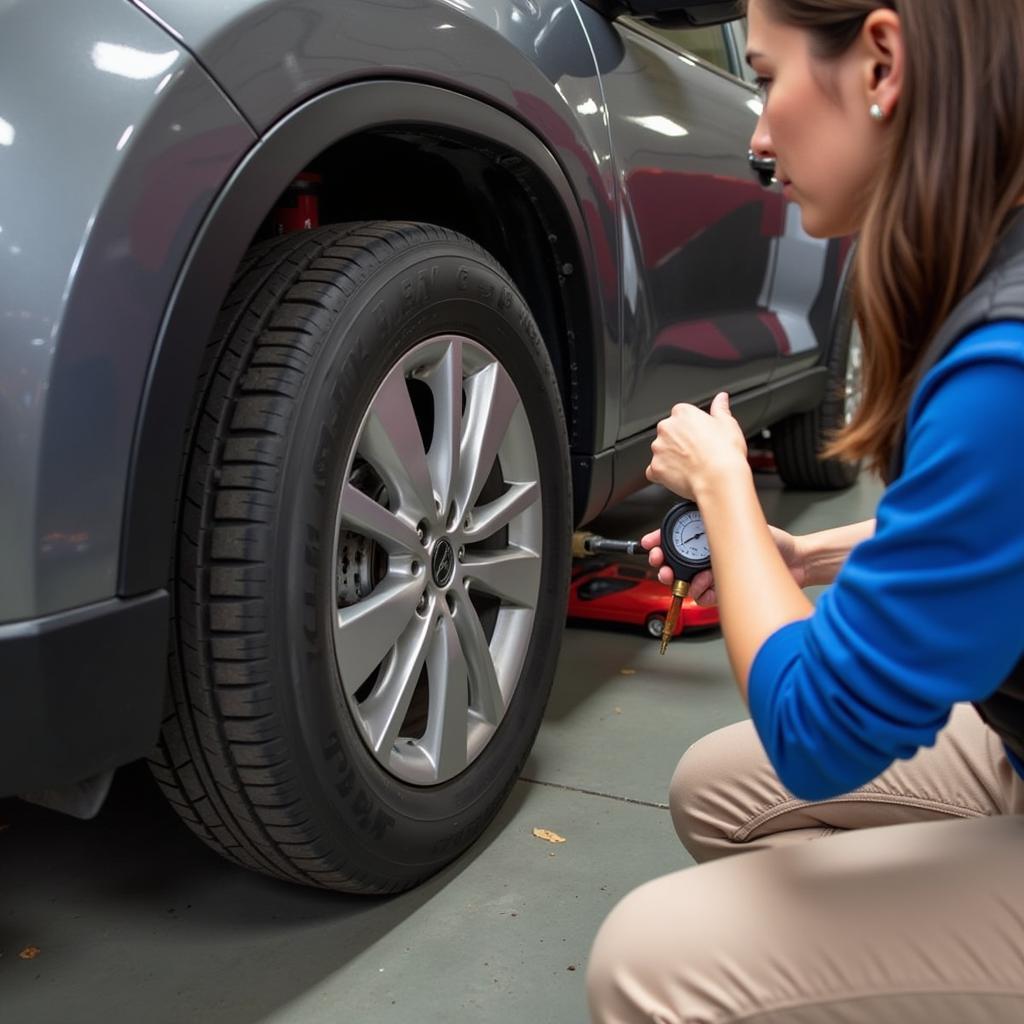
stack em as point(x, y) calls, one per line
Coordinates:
point(614, 592)
point(600, 159)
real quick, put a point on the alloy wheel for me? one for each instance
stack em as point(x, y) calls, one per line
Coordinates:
point(438, 552)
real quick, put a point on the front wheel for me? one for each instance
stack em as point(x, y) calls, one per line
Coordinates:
point(655, 624)
point(374, 545)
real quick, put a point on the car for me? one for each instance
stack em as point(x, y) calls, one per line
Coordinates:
point(607, 591)
point(322, 324)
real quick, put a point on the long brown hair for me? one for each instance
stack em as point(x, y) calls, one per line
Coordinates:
point(952, 175)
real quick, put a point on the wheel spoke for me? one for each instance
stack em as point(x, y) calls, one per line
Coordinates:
point(445, 739)
point(443, 457)
point(385, 709)
point(392, 444)
point(367, 630)
point(491, 400)
point(512, 575)
point(484, 690)
point(489, 519)
point(361, 513)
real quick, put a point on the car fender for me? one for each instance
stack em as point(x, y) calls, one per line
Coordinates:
point(267, 169)
point(530, 59)
point(113, 143)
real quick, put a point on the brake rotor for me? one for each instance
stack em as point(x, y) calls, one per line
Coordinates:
point(362, 563)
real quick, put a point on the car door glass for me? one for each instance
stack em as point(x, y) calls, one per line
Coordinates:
point(738, 30)
point(708, 42)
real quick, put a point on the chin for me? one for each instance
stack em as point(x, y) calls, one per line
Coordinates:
point(819, 223)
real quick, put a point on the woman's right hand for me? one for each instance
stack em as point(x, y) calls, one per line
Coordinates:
point(702, 586)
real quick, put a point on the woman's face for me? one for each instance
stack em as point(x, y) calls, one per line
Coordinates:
point(816, 121)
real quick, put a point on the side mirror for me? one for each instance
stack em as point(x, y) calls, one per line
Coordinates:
point(693, 12)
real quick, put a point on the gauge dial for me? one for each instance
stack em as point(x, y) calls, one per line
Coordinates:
point(688, 539)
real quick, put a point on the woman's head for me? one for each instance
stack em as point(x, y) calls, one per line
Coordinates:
point(928, 181)
point(823, 68)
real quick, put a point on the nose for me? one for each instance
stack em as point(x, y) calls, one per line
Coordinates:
point(761, 141)
point(762, 154)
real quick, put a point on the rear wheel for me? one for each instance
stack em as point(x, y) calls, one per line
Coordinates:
point(374, 543)
point(798, 440)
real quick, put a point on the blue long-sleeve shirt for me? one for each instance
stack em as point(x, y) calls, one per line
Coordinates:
point(930, 610)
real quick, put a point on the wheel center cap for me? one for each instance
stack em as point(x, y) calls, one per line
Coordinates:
point(442, 563)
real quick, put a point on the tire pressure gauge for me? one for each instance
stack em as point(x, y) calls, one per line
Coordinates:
point(685, 545)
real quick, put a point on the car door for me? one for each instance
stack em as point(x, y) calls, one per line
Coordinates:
point(699, 233)
point(601, 597)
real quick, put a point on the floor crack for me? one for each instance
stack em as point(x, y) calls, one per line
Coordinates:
point(594, 792)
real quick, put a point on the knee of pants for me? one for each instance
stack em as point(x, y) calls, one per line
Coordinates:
point(625, 975)
point(708, 795)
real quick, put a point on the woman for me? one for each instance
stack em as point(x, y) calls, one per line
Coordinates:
point(902, 121)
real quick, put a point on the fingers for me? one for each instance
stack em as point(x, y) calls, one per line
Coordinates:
point(665, 576)
point(720, 404)
point(650, 540)
point(702, 588)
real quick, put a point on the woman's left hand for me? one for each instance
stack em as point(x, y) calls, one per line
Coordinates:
point(693, 448)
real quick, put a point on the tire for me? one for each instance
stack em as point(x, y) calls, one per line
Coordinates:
point(351, 700)
point(798, 440)
point(654, 625)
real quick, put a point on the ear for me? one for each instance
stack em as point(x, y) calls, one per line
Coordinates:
point(882, 42)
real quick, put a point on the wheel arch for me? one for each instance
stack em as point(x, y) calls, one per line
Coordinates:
point(497, 157)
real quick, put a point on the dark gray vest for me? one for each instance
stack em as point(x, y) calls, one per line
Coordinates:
point(999, 295)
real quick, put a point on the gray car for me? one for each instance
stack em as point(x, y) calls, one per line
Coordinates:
point(322, 323)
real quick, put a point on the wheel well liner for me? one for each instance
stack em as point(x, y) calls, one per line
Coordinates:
point(234, 221)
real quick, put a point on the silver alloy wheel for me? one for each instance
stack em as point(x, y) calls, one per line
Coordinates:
point(854, 375)
point(655, 625)
point(415, 628)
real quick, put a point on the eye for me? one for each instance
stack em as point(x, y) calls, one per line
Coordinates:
point(763, 85)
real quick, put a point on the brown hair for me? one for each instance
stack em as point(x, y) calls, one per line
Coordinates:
point(951, 177)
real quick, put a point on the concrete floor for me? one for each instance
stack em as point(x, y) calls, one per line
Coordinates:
point(137, 922)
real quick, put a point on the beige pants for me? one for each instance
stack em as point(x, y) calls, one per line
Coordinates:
point(922, 923)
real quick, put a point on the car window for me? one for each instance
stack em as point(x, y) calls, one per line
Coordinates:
point(708, 42)
point(602, 588)
point(738, 30)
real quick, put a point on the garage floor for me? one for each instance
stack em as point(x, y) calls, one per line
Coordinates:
point(137, 922)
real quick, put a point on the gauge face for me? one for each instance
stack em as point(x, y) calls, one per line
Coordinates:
point(688, 539)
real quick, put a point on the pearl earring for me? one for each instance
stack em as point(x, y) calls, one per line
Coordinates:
point(876, 112)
